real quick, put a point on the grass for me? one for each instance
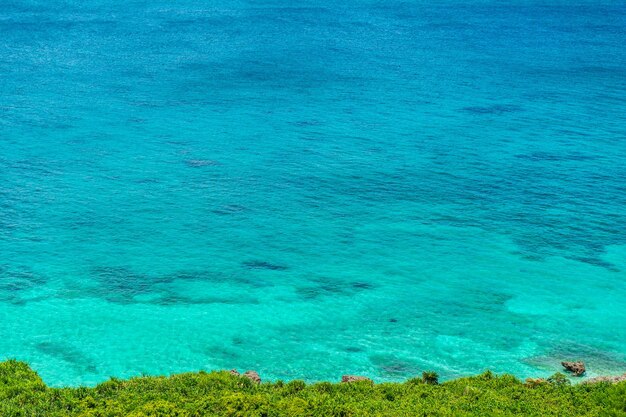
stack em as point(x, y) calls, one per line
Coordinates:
point(23, 393)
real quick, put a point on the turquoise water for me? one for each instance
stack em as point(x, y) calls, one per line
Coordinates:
point(309, 190)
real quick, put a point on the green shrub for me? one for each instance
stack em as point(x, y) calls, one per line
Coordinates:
point(24, 394)
point(323, 387)
point(430, 377)
point(559, 379)
point(295, 386)
point(414, 381)
point(159, 408)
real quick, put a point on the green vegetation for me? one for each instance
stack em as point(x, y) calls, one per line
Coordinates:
point(23, 393)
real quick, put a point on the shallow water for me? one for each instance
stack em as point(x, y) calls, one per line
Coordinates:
point(376, 188)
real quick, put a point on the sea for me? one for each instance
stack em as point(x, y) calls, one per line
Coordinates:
point(314, 188)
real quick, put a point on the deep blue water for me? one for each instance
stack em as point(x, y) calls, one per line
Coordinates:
point(312, 188)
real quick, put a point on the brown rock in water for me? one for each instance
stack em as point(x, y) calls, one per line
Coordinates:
point(253, 376)
point(354, 378)
point(609, 379)
point(576, 368)
point(234, 372)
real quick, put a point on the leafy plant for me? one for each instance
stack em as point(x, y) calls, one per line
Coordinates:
point(24, 394)
point(559, 379)
point(430, 377)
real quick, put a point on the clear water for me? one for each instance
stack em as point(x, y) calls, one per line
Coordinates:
point(312, 189)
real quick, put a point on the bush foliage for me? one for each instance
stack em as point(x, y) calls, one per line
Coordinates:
point(24, 394)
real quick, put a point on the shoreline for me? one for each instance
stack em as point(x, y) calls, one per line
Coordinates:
point(582, 377)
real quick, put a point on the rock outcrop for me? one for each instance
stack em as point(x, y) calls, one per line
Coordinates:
point(253, 376)
point(234, 372)
point(354, 378)
point(533, 382)
point(609, 379)
point(576, 368)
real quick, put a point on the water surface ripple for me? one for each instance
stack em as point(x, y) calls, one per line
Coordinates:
point(312, 189)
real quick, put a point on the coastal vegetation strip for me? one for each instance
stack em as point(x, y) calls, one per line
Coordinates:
point(24, 394)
